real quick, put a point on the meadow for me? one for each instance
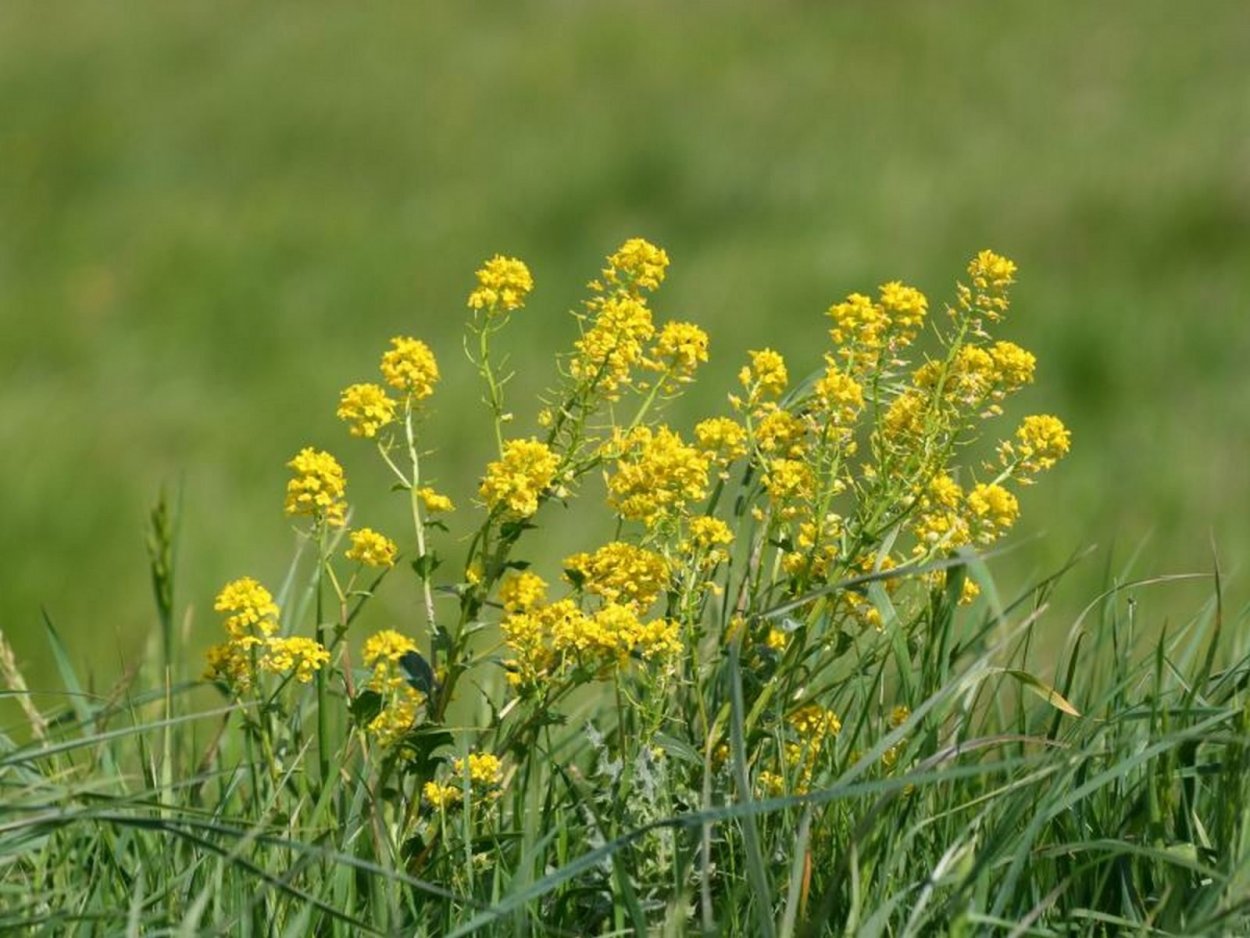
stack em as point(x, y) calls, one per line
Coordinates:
point(214, 219)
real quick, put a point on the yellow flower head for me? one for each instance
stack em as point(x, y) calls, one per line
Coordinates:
point(722, 439)
point(621, 573)
point(229, 663)
point(502, 285)
point(787, 482)
point(657, 475)
point(906, 307)
point(858, 322)
point(302, 657)
point(409, 366)
point(522, 591)
point(679, 349)
point(766, 375)
point(441, 797)
point(814, 723)
point(992, 275)
point(485, 769)
point(637, 265)
point(612, 346)
point(1014, 366)
point(366, 408)
point(386, 646)
point(434, 502)
point(840, 395)
point(318, 488)
point(992, 511)
point(779, 432)
point(398, 716)
point(372, 549)
point(514, 483)
point(1041, 441)
point(250, 607)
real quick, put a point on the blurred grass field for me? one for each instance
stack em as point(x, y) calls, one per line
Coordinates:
point(213, 216)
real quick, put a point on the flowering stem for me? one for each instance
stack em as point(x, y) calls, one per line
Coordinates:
point(323, 713)
point(418, 523)
point(495, 399)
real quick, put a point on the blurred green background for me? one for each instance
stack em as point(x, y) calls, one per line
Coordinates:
point(214, 215)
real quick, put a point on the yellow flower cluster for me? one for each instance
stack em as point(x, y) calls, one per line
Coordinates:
point(318, 488)
point(991, 275)
point(440, 797)
point(251, 620)
point(303, 656)
point(372, 549)
point(434, 502)
point(612, 346)
point(485, 769)
point(706, 541)
point(992, 511)
point(766, 376)
point(522, 591)
point(515, 482)
point(503, 283)
point(657, 475)
point(637, 265)
point(679, 350)
point(251, 608)
point(409, 366)
point(547, 640)
point(722, 439)
point(841, 398)
point(401, 702)
point(815, 726)
point(862, 328)
point(366, 408)
point(1041, 441)
point(620, 573)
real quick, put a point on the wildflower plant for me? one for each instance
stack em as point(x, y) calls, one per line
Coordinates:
point(782, 693)
point(707, 644)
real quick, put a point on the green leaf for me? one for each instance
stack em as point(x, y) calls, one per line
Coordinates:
point(1043, 690)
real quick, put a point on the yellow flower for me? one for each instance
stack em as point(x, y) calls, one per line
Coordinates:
point(621, 573)
point(779, 432)
point(485, 769)
point(858, 322)
point(441, 797)
point(613, 344)
point(372, 549)
point(657, 475)
point(410, 366)
point(1041, 441)
point(992, 275)
point(366, 408)
point(899, 715)
point(906, 307)
point(637, 264)
point(433, 502)
point(1014, 365)
point(303, 656)
point(709, 537)
point(229, 663)
point(386, 646)
point(841, 395)
point(522, 591)
point(398, 716)
point(722, 438)
point(766, 376)
point(503, 284)
point(318, 488)
point(777, 639)
point(993, 510)
point(250, 606)
point(814, 723)
point(788, 481)
point(905, 419)
point(515, 482)
point(680, 348)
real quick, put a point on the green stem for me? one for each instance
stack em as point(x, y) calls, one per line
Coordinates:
point(323, 711)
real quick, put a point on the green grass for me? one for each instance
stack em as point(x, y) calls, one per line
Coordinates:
point(212, 217)
point(1112, 804)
